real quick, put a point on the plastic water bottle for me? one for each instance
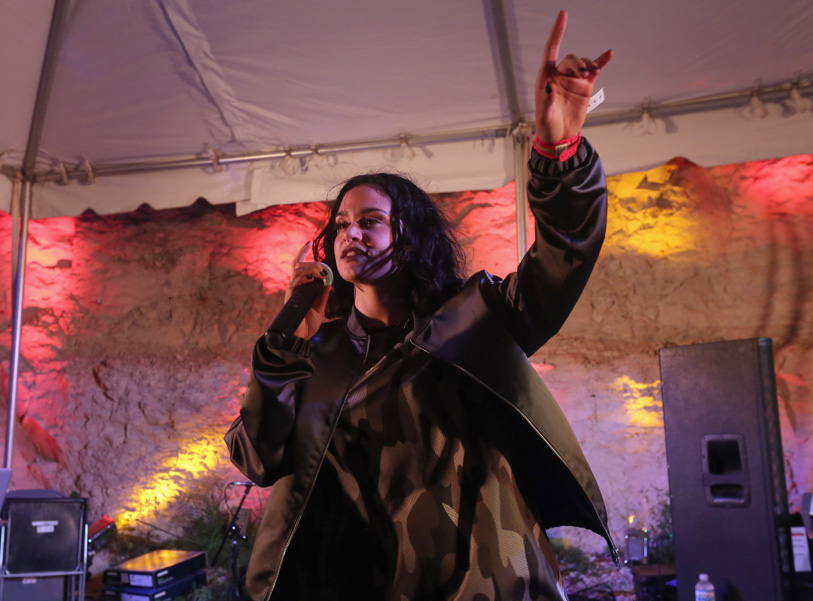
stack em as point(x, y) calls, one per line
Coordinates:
point(704, 590)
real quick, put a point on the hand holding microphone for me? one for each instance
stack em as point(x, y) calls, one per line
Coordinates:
point(305, 301)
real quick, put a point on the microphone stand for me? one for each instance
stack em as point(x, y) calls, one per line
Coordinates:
point(233, 532)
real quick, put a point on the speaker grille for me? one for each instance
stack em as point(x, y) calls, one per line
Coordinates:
point(44, 535)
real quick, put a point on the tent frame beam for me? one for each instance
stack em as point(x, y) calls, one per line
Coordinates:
point(714, 102)
point(495, 18)
point(501, 45)
point(23, 194)
point(80, 173)
point(46, 82)
point(740, 99)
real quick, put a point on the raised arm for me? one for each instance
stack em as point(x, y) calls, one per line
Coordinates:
point(568, 198)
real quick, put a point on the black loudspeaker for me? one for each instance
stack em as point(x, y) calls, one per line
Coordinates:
point(726, 470)
point(44, 535)
point(44, 549)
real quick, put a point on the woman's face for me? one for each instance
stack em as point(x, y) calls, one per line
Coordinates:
point(363, 245)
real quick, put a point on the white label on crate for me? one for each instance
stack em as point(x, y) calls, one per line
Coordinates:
point(140, 580)
point(29, 580)
point(162, 573)
point(131, 597)
point(801, 552)
point(161, 594)
point(45, 526)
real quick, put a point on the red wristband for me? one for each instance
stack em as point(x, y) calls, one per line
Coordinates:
point(561, 150)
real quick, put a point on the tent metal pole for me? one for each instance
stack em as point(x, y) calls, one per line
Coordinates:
point(44, 88)
point(149, 166)
point(735, 99)
point(18, 288)
point(495, 17)
point(15, 231)
point(29, 165)
point(522, 150)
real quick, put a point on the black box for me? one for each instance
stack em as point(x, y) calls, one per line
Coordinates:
point(169, 591)
point(651, 582)
point(804, 586)
point(155, 569)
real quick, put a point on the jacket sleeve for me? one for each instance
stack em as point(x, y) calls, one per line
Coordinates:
point(569, 204)
point(257, 438)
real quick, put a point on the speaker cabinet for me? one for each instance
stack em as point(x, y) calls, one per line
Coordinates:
point(36, 588)
point(44, 535)
point(44, 549)
point(726, 470)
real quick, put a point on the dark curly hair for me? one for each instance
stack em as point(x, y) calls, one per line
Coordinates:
point(425, 248)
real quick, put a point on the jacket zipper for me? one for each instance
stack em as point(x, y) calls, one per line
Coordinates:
point(350, 389)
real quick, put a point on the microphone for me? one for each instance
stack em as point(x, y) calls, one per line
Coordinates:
point(295, 310)
point(242, 484)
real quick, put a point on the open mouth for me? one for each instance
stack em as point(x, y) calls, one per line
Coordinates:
point(350, 253)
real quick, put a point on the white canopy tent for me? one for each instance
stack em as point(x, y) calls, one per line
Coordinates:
point(107, 105)
point(144, 85)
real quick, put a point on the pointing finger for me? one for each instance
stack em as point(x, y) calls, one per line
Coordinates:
point(555, 39)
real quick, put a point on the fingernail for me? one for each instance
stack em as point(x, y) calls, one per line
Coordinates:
point(548, 89)
point(323, 271)
point(582, 69)
point(594, 68)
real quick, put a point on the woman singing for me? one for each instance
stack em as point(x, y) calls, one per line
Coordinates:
point(414, 452)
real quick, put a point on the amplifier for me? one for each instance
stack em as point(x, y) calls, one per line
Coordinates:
point(155, 569)
point(169, 591)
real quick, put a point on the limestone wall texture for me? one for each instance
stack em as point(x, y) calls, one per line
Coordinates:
point(138, 328)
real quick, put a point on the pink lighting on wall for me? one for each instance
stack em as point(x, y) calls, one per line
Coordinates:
point(137, 329)
point(765, 184)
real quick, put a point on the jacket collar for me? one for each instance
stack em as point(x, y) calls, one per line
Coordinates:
point(356, 331)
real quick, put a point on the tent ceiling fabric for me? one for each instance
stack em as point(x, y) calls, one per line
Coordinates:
point(150, 80)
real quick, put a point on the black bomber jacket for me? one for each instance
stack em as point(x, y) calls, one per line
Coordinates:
point(288, 417)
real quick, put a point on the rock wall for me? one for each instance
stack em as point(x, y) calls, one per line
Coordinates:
point(138, 328)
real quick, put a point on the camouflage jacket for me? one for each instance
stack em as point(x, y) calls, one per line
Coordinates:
point(290, 412)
